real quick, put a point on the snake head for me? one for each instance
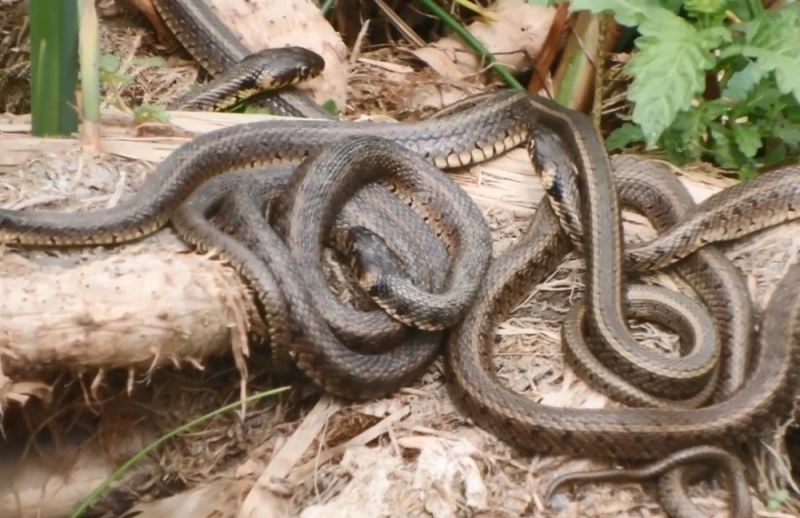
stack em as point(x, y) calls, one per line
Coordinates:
point(371, 259)
point(284, 66)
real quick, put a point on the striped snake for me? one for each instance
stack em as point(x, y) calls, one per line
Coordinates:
point(476, 302)
point(239, 73)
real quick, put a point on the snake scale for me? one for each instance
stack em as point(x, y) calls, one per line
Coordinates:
point(199, 172)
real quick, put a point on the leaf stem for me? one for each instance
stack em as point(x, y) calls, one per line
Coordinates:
point(473, 42)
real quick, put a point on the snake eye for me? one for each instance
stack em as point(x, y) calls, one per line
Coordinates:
point(304, 70)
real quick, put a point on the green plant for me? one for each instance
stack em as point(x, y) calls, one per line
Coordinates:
point(471, 41)
point(685, 52)
point(150, 113)
point(101, 490)
point(54, 66)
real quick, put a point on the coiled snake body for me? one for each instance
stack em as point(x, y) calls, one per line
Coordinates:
point(467, 136)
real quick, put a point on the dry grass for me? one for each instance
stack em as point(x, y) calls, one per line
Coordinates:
point(425, 456)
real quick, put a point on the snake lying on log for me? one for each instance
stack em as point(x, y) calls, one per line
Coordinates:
point(312, 333)
point(464, 137)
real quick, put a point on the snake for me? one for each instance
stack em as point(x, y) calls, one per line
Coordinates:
point(653, 190)
point(254, 74)
point(467, 136)
point(673, 500)
point(430, 143)
point(463, 138)
point(267, 75)
point(311, 331)
point(623, 433)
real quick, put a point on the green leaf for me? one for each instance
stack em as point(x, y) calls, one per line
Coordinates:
point(672, 5)
point(712, 110)
point(623, 136)
point(775, 152)
point(772, 40)
point(748, 171)
point(684, 139)
point(330, 107)
point(724, 148)
point(109, 63)
point(150, 112)
point(747, 138)
point(777, 499)
point(756, 121)
point(743, 81)
point(150, 61)
point(669, 70)
point(788, 134)
point(705, 6)
point(626, 12)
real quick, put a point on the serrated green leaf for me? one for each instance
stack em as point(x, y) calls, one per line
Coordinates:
point(724, 148)
point(765, 99)
point(747, 138)
point(788, 134)
point(669, 71)
point(748, 171)
point(785, 68)
point(712, 110)
point(743, 81)
point(759, 65)
point(775, 152)
point(623, 136)
point(672, 5)
point(792, 113)
point(772, 40)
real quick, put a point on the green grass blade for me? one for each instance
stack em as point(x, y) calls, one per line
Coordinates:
point(117, 474)
point(472, 41)
point(326, 6)
point(54, 66)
